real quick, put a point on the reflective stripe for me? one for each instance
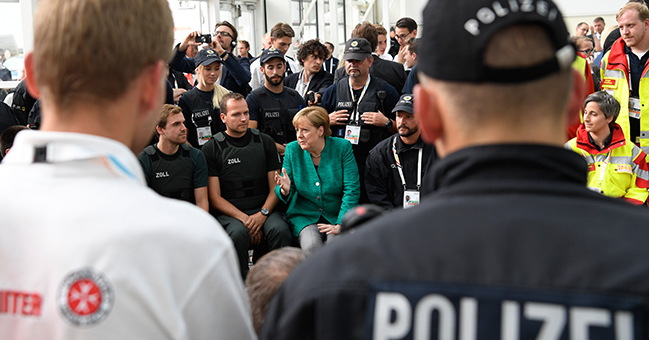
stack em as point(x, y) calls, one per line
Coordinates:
point(635, 152)
point(644, 134)
point(645, 149)
point(622, 160)
point(590, 159)
point(614, 74)
point(644, 174)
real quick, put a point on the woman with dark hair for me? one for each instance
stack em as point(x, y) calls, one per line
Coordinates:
point(616, 167)
point(319, 180)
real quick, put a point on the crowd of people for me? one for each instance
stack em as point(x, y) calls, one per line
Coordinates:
point(505, 152)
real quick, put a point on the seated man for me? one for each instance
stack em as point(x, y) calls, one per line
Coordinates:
point(395, 167)
point(172, 167)
point(241, 167)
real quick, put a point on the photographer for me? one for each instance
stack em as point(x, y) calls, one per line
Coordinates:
point(235, 74)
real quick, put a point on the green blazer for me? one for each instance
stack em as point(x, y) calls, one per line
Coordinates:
point(328, 192)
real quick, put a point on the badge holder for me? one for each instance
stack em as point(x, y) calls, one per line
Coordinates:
point(353, 130)
point(410, 199)
point(634, 107)
point(204, 134)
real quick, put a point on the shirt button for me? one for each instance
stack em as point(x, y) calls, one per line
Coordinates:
point(317, 184)
point(320, 209)
point(317, 197)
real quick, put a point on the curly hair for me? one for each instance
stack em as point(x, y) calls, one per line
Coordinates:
point(313, 46)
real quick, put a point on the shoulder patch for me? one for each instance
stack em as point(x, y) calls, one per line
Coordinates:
point(85, 298)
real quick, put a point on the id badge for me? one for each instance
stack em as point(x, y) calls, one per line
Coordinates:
point(634, 107)
point(410, 199)
point(204, 134)
point(352, 133)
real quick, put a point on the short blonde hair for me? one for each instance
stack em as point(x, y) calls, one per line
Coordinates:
point(89, 49)
point(166, 111)
point(316, 116)
point(641, 8)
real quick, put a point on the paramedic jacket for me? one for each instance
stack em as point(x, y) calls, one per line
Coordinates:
point(510, 241)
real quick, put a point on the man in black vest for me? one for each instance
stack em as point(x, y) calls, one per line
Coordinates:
point(313, 80)
point(511, 244)
point(241, 167)
point(273, 106)
point(396, 166)
point(360, 103)
point(172, 167)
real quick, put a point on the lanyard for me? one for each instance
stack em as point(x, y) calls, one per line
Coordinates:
point(356, 114)
point(399, 166)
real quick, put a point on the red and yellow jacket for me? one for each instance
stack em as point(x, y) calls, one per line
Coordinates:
point(619, 170)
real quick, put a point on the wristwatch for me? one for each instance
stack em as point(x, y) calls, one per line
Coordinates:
point(264, 211)
point(388, 125)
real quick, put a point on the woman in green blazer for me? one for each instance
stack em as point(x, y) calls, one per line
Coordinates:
point(319, 180)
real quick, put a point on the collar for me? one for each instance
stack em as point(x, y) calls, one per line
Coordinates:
point(401, 146)
point(518, 164)
point(614, 140)
point(66, 147)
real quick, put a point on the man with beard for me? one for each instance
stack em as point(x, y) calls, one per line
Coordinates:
point(172, 167)
point(396, 165)
point(273, 106)
point(361, 103)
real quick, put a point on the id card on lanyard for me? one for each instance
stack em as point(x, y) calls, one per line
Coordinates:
point(353, 128)
point(410, 197)
point(204, 133)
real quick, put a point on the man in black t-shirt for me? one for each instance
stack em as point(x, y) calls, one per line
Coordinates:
point(172, 167)
point(241, 166)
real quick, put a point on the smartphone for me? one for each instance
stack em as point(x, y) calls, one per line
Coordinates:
point(205, 38)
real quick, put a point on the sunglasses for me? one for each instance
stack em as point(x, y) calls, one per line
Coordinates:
point(223, 33)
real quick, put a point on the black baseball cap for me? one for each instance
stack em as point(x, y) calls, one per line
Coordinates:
point(404, 104)
point(357, 49)
point(206, 56)
point(269, 54)
point(459, 55)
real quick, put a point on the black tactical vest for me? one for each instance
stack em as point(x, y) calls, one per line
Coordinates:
point(172, 175)
point(243, 177)
point(276, 116)
point(203, 114)
point(372, 101)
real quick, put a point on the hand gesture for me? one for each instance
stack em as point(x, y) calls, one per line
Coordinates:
point(338, 117)
point(374, 118)
point(329, 228)
point(284, 182)
point(254, 224)
point(190, 40)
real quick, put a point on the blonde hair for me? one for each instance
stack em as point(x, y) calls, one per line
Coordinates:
point(219, 91)
point(89, 49)
point(316, 116)
point(641, 8)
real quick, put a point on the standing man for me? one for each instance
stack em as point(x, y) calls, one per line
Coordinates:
point(241, 167)
point(273, 106)
point(105, 257)
point(381, 47)
point(313, 80)
point(172, 167)
point(360, 103)
point(243, 49)
point(331, 64)
point(410, 54)
point(511, 245)
point(405, 29)
point(390, 71)
point(235, 73)
point(627, 60)
point(396, 166)
point(281, 38)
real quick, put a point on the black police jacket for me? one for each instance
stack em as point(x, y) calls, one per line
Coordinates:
point(510, 244)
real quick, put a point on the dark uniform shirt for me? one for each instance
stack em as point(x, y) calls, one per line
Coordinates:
point(510, 241)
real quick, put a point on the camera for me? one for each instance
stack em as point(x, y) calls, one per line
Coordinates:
point(310, 97)
point(205, 38)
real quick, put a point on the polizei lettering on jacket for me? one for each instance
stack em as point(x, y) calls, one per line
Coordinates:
point(487, 15)
point(432, 311)
point(201, 114)
point(272, 114)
